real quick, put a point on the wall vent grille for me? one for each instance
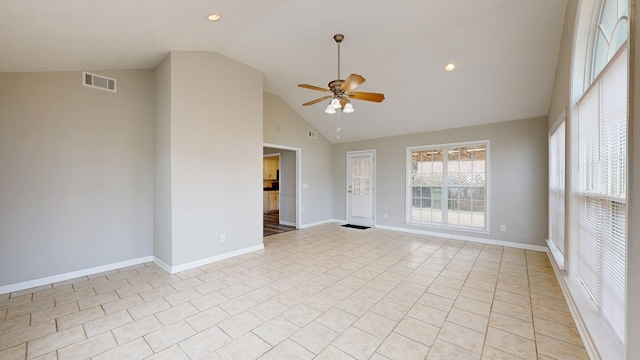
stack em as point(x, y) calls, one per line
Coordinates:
point(99, 82)
point(312, 134)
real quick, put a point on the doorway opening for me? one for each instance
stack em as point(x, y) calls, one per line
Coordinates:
point(281, 188)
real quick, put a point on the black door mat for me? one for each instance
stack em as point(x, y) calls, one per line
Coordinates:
point(359, 227)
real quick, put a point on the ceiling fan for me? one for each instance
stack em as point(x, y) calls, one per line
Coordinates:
point(342, 89)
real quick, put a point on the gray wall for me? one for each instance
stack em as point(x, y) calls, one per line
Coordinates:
point(76, 172)
point(162, 247)
point(216, 156)
point(518, 177)
point(283, 126)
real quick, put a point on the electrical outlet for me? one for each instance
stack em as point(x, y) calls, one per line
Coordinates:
point(503, 228)
point(223, 237)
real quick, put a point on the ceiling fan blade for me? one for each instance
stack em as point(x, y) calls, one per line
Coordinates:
point(376, 97)
point(352, 82)
point(317, 100)
point(312, 87)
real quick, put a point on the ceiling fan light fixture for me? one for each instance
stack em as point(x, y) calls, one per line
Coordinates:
point(335, 103)
point(330, 109)
point(348, 108)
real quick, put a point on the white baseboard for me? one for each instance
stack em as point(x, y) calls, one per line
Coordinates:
point(466, 238)
point(194, 264)
point(288, 223)
point(72, 275)
point(304, 226)
point(556, 254)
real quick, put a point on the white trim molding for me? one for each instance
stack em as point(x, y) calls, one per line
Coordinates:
point(466, 238)
point(194, 264)
point(72, 275)
point(304, 226)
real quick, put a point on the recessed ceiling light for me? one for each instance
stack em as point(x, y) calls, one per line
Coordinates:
point(214, 17)
point(450, 67)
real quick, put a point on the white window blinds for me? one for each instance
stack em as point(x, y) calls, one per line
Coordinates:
point(602, 193)
point(556, 187)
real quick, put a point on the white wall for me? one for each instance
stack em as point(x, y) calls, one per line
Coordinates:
point(76, 172)
point(518, 177)
point(216, 156)
point(283, 126)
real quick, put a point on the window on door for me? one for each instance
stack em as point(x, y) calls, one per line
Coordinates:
point(447, 185)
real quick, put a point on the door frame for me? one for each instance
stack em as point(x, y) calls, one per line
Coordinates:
point(373, 183)
point(298, 186)
point(277, 154)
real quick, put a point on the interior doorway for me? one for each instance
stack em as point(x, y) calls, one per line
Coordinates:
point(282, 189)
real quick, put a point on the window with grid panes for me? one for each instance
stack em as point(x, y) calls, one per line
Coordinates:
point(448, 185)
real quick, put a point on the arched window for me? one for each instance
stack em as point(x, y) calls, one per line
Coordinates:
point(610, 33)
point(599, 237)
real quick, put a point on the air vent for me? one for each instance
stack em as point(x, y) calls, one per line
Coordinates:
point(99, 82)
point(312, 134)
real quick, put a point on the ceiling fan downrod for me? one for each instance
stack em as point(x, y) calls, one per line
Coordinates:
point(338, 38)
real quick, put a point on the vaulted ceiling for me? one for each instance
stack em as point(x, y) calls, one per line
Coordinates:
point(505, 51)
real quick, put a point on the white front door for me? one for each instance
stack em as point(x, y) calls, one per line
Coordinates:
point(360, 187)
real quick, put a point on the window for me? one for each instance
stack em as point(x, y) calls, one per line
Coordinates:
point(448, 185)
point(557, 190)
point(602, 203)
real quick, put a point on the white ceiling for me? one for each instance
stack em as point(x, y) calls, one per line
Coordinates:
point(505, 51)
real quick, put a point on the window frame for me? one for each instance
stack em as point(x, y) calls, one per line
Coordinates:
point(445, 187)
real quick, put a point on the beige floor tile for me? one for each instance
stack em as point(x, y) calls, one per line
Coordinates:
point(461, 336)
point(29, 307)
point(558, 316)
point(97, 300)
point(14, 324)
point(376, 325)
point(357, 343)
point(397, 346)
point(169, 335)
point(512, 325)
point(287, 350)
point(237, 305)
point(276, 330)
point(122, 304)
point(268, 309)
point(18, 352)
point(172, 353)
point(474, 306)
point(557, 349)
point(513, 298)
point(136, 329)
point(468, 319)
point(336, 319)
point(137, 349)
point(240, 324)
point(511, 344)
point(442, 350)
point(490, 353)
point(204, 343)
point(333, 353)
point(436, 301)
point(132, 290)
point(88, 348)
point(314, 337)
point(417, 330)
point(157, 293)
point(148, 308)
point(106, 323)
point(301, 314)
point(558, 331)
point(23, 335)
point(248, 346)
point(476, 294)
point(516, 311)
point(55, 341)
point(208, 318)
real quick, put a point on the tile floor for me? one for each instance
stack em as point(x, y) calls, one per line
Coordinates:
point(325, 292)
